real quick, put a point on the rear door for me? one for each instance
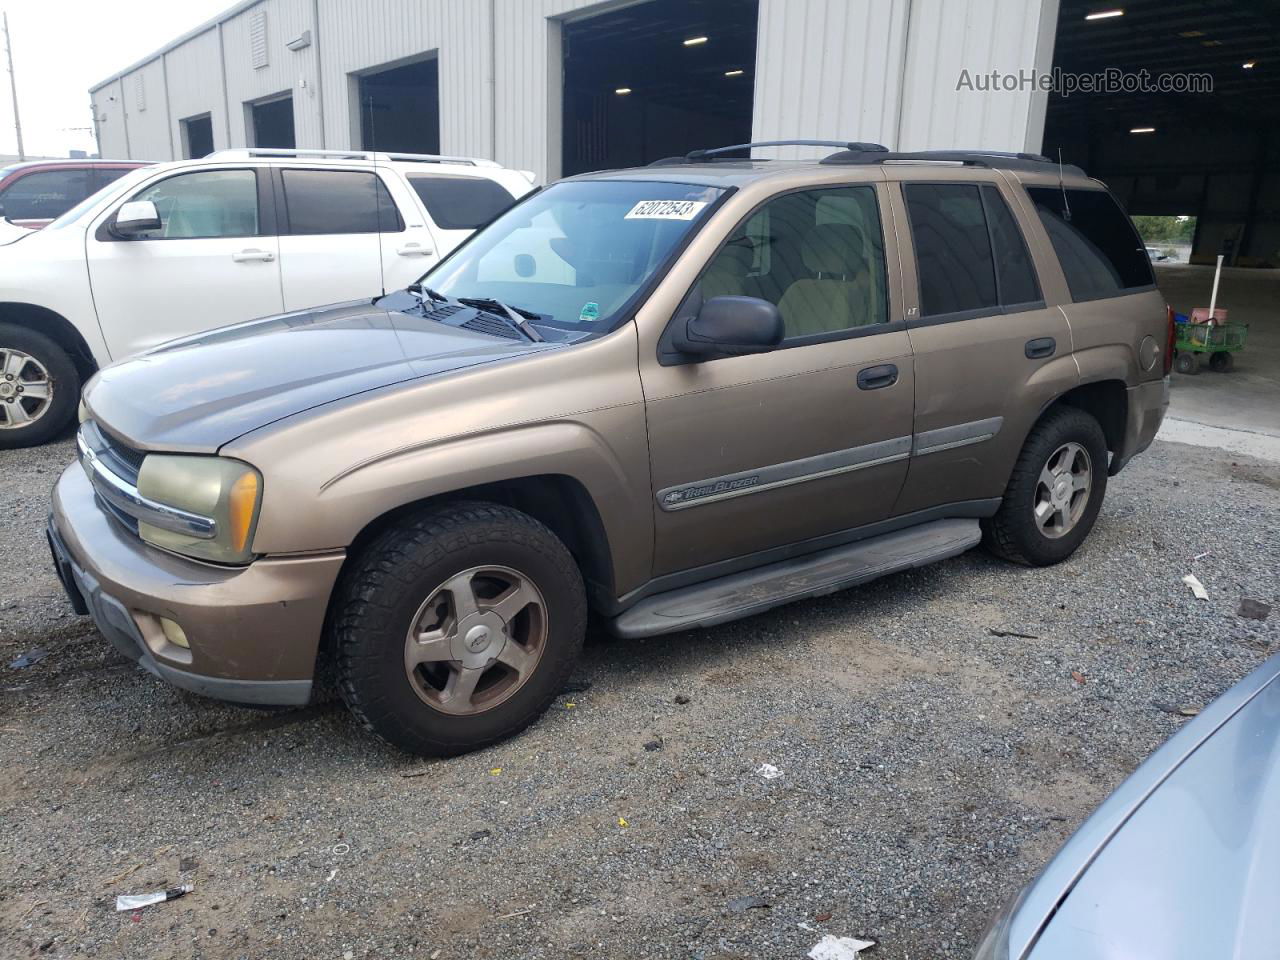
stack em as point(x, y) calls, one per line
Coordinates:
point(773, 450)
point(990, 353)
point(213, 262)
point(343, 237)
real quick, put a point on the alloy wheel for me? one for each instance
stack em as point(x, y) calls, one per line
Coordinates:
point(1062, 490)
point(26, 389)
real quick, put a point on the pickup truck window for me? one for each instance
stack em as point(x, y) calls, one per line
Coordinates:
point(45, 194)
point(817, 254)
point(577, 253)
point(460, 203)
point(206, 203)
point(338, 201)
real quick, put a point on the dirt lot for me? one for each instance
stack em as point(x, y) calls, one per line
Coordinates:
point(929, 765)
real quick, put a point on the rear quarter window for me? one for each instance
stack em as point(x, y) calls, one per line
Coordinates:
point(461, 203)
point(1096, 243)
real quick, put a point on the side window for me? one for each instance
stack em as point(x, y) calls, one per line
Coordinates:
point(338, 201)
point(1015, 277)
point(45, 194)
point(1100, 251)
point(460, 203)
point(817, 254)
point(953, 250)
point(205, 204)
point(107, 175)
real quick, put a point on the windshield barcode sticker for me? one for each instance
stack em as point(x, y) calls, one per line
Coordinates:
point(665, 210)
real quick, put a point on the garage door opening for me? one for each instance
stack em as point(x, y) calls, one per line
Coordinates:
point(657, 79)
point(272, 122)
point(400, 108)
point(197, 136)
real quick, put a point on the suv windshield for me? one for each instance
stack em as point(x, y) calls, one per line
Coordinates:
point(576, 253)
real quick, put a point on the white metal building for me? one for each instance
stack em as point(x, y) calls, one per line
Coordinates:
point(561, 85)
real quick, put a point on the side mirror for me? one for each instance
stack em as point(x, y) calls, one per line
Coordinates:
point(730, 326)
point(136, 217)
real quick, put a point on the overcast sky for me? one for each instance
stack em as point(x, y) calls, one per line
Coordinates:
point(63, 47)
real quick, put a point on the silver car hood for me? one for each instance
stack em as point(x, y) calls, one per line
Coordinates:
point(1183, 860)
point(196, 394)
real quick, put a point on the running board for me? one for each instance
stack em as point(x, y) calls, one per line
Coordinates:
point(754, 591)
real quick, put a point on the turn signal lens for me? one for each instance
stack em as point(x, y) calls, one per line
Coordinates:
point(243, 504)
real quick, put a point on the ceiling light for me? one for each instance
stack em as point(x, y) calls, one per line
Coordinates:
point(1104, 15)
point(622, 91)
point(1143, 130)
point(1210, 43)
point(738, 73)
point(1191, 33)
point(1249, 64)
point(695, 41)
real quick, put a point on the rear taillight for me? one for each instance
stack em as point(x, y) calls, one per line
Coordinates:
point(1173, 337)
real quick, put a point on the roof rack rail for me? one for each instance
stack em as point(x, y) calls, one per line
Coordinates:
point(245, 153)
point(991, 159)
point(706, 156)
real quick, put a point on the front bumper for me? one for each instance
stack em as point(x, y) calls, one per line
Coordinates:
point(253, 631)
point(1145, 412)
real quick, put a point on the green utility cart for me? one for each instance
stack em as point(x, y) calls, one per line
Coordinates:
point(1220, 341)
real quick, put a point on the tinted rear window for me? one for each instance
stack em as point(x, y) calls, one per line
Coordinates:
point(338, 201)
point(461, 203)
point(1101, 253)
point(953, 251)
point(1015, 276)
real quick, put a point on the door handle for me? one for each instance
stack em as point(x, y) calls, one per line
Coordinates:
point(881, 375)
point(413, 250)
point(1040, 348)
point(245, 256)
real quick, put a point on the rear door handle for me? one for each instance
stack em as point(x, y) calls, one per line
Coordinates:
point(1040, 348)
point(245, 256)
point(413, 250)
point(873, 378)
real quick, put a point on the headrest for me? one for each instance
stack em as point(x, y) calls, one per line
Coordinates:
point(833, 248)
point(737, 256)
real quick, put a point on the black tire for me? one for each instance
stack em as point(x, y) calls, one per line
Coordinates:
point(1221, 362)
point(1013, 532)
point(399, 571)
point(64, 380)
point(1186, 362)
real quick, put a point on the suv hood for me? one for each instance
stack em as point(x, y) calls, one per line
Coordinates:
point(196, 394)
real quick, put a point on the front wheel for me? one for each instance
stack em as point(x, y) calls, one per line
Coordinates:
point(458, 627)
point(1054, 493)
point(39, 388)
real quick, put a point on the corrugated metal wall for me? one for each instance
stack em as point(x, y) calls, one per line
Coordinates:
point(881, 70)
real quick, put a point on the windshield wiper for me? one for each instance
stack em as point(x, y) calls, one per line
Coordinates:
point(498, 308)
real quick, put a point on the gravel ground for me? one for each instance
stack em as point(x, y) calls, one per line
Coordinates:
point(929, 766)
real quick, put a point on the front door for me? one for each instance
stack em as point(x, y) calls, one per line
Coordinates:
point(810, 440)
point(214, 261)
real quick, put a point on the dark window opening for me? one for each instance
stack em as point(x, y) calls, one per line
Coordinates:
point(197, 137)
point(460, 203)
point(338, 201)
point(1101, 253)
point(400, 108)
point(273, 124)
point(635, 92)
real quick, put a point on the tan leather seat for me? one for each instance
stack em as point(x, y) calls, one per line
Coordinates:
point(841, 293)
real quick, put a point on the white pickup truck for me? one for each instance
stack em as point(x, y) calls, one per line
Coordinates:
point(178, 248)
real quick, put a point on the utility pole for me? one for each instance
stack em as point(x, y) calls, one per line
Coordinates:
point(13, 86)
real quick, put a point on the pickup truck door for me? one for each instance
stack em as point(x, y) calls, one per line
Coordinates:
point(775, 451)
point(215, 260)
point(348, 235)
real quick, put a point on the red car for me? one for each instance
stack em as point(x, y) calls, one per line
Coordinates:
point(35, 192)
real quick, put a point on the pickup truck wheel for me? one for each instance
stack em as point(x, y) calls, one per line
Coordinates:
point(1054, 493)
point(39, 387)
point(457, 628)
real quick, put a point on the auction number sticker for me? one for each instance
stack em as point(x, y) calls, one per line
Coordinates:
point(665, 210)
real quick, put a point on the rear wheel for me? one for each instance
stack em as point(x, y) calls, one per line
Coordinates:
point(1221, 361)
point(458, 627)
point(39, 387)
point(1186, 362)
point(1054, 493)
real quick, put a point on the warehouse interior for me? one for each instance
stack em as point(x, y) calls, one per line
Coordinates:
point(271, 122)
point(657, 79)
point(400, 107)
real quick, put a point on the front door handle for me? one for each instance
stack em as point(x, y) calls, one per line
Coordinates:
point(413, 250)
point(881, 375)
point(1040, 348)
point(245, 256)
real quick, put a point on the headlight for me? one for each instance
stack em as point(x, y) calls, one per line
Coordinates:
point(226, 491)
